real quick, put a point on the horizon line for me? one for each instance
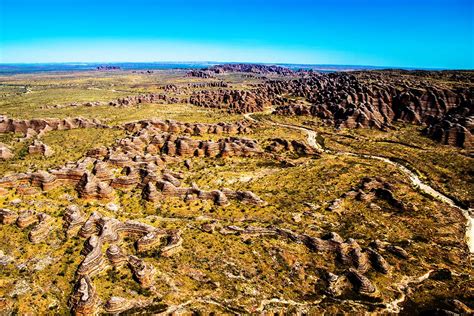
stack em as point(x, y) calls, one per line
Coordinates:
point(233, 62)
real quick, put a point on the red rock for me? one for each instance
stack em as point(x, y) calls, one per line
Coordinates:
point(7, 216)
point(84, 300)
point(90, 187)
point(41, 230)
point(39, 148)
point(5, 152)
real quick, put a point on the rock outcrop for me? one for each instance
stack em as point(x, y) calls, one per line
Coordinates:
point(278, 145)
point(139, 161)
point(41, 230)
point(150, 176)
point(456, 128)
point(173, 244)
point(163, 188)
point(376, 100)
point(44, 180)
point(26, 218)
point(73, 220)
point(100, 230)
point(37, 125)
point(116, 256)
point(90, 187)
point(150, 240)
point(212, 84)
point(7, 216)
point(145, 98)
point(199, 74)
point(40, 148)
point(233, 101)
point(251, 68)
point(5, 152)
point(84, 300)
point(175, 127)
point(347, 253)
point(116, 305)
point(142, 271)
point(360, 282)
point(369, 190)
point(94, 262)
point(171, 145)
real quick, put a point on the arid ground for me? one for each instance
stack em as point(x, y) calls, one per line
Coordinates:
point(237, 189)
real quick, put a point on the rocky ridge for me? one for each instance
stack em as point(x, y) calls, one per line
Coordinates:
point(233, 101)
point(350, 100)
point(251, 68)
point(356, 261)
point(139, 161)
point(100, 230)
point(455, 128)
point(36, 126)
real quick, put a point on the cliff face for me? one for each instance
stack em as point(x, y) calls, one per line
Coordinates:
point(234, 101)
point(456, 128)
point(352, 101)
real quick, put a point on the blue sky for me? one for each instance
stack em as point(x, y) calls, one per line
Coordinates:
point(416, 33)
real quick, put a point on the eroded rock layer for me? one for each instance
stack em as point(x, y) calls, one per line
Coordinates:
point(455, 128)
point(343, 233)
point(371, 99)
point(233, 101)
point(141, 159)
point(38, 125)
